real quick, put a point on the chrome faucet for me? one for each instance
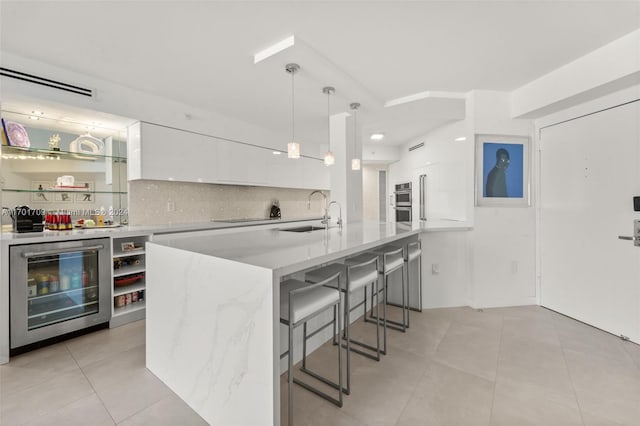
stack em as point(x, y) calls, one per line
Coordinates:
point(339, 212)
point(325, 219)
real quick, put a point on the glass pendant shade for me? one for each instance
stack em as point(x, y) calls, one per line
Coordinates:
point(355, 164)
point(293, 150)
point(329, 159)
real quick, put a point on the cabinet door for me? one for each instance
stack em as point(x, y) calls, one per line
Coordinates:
point(171, 154)
point(259, 162)
point(232, 162)
point(282, 171)
point(315, 174)
point(243, 164)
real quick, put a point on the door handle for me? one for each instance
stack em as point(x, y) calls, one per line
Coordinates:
point(61, 251)
point(636, 240)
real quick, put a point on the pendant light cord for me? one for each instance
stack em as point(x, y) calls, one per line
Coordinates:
point(355, 129)
point(329, 120)
point(293, 110)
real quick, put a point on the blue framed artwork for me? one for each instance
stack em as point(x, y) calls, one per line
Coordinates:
point(502, 170)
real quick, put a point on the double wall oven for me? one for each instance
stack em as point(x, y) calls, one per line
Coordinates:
point(402, 202)
point(57, 288)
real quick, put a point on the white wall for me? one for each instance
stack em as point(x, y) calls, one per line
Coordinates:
point(503, 238)
point(494, 264)
point(450, 284)
point(378, 153)
point(371, 192)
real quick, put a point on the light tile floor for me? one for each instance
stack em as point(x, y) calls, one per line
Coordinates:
point(506, 366)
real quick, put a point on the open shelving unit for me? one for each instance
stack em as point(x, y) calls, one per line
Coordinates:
point(128, 280)
point(49, 149)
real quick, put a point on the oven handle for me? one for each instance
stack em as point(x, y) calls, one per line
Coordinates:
point(59, 251)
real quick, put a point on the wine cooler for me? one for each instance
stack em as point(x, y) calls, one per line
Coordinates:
point(57, 288)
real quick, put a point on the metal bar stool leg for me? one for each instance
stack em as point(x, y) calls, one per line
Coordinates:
point(299, 310)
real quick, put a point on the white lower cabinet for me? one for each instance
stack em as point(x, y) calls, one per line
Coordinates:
point(129, 280)
point(163, 153)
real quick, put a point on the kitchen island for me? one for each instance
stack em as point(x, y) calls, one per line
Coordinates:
point(213, 302)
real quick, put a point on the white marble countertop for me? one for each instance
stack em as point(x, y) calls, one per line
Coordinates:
point(286, 252)
point(11, 238)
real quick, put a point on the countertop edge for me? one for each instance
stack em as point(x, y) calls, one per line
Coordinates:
point(133, 230)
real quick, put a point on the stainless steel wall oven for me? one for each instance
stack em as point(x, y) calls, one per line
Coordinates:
point(403, 202)
point(403, 195)
point(57, 288)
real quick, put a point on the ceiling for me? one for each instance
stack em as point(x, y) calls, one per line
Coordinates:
point(201, 53)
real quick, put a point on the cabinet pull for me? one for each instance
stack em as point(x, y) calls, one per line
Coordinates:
point(59, 251)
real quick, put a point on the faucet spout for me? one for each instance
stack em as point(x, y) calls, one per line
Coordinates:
point(339, 212)
point(325, 219)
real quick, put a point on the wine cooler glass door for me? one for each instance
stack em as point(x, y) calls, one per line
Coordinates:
point(58, 289)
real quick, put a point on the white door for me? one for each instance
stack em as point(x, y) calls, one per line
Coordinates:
point(589, 172)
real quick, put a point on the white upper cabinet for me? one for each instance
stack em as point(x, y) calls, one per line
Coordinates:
point(163, 153)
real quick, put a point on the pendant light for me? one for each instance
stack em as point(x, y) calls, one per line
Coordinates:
point(293, 148)
point(355, 162)
point(329, 159)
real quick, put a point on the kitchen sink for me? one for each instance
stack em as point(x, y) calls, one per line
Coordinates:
point(308, 228)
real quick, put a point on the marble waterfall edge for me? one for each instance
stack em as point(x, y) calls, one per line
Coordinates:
point(210, 349)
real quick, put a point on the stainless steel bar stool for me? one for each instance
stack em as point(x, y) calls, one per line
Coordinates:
point(353, 277)
point(300, 302)
point(414, 252)
point(392, 259)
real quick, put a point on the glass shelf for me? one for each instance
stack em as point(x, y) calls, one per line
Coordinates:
point(66, 191)
point(19, 153)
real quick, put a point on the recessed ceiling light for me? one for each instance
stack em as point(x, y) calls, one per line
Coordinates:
point(276, 153)
point(273, 49)
point(37, 112)
point(33, 117)
point(460, 139)
point(377, 136)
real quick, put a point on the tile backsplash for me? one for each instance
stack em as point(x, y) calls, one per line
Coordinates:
point(159, 202)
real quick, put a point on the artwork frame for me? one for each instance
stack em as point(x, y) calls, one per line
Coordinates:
point(502, 171)
point(41, 197)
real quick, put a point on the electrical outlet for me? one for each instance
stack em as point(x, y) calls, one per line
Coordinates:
point(435, 268)
point(171, 206)
point(514, 266)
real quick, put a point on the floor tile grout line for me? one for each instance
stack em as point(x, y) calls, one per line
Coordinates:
point(75, 400)
point(453, 367)
point(91, 384)
point(573, 387)
point(435, 351)
point(495, 379)
point(430, 361)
